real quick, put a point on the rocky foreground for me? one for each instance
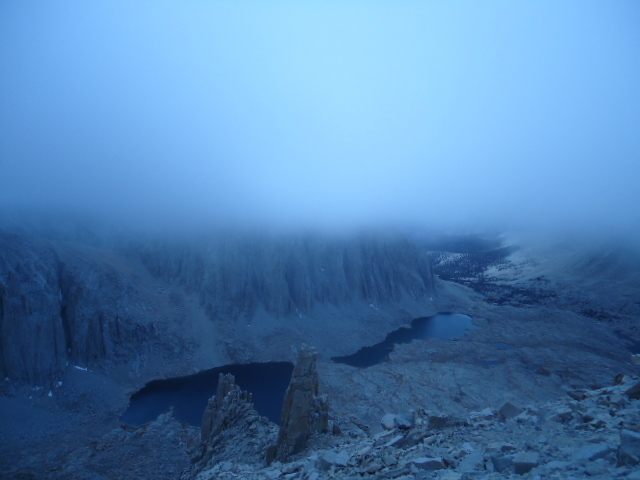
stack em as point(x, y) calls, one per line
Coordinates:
point(588, 434)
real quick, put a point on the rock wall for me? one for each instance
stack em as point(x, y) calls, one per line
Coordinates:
point(234, 275)
point(64, 302)
point(32, 331)
point(58, 305)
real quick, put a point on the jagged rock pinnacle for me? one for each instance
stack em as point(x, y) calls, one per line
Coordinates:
point(304, 412)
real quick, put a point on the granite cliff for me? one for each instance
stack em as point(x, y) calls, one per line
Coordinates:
point(64, 302)
point(289, 274)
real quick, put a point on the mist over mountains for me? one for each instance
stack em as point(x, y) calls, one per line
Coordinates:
point(188, 186)
point(323, 116)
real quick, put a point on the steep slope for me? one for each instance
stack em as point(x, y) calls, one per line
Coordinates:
point(64, 303)
point(32, 329)
point(236, 275)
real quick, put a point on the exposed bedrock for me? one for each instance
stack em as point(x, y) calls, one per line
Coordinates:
point(305, 412)
point(32, 332)
point(231, 428)
point(235, 275)
point(228, 408)
point(59, 306)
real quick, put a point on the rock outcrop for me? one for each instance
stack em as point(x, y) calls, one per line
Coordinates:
point(63, 304)
point(231, 428)
point(305, 412)
point(599, 438)
point(229, 410)
point(33, 333)
point(159, 449)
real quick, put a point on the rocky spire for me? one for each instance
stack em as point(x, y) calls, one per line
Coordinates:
point(228, 407)
point(304, 412)
point(230, 416)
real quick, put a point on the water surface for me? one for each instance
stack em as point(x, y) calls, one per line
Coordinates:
point(188, 395)
point(442, 325)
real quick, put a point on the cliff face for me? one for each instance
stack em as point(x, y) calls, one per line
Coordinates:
point(290, 274)
point(57, 306)
point(34, 346)
point(66, 303)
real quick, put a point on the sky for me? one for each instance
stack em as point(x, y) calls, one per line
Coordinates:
point(327, 113)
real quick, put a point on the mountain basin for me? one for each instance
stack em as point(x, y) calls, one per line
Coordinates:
point(441, 325)
point(188, 395)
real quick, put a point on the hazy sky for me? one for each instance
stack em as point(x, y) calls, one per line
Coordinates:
point(328, 112)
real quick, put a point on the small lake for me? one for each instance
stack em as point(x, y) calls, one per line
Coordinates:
point(188, 395)
point(442, 325)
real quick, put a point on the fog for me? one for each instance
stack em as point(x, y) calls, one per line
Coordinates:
point(331, 114)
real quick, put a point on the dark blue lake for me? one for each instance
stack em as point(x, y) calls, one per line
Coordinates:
point(188, 395)
point(442, 325)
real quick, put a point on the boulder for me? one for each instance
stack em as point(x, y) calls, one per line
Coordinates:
point(629, 450)
point(502, 463)
point(593, 452)
point(562, 415)
point(524, 462)
point(617, 401)
point(404, 420)
point(484, 414)
point(333, 458)
point(634, 391)
point(428, 463)
point(389, 460)
point(388, 421)
point(577, 394)
point(508, 411)
point(472, 462)
point(412, 437)
point(437, 422)
point(371, 466)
